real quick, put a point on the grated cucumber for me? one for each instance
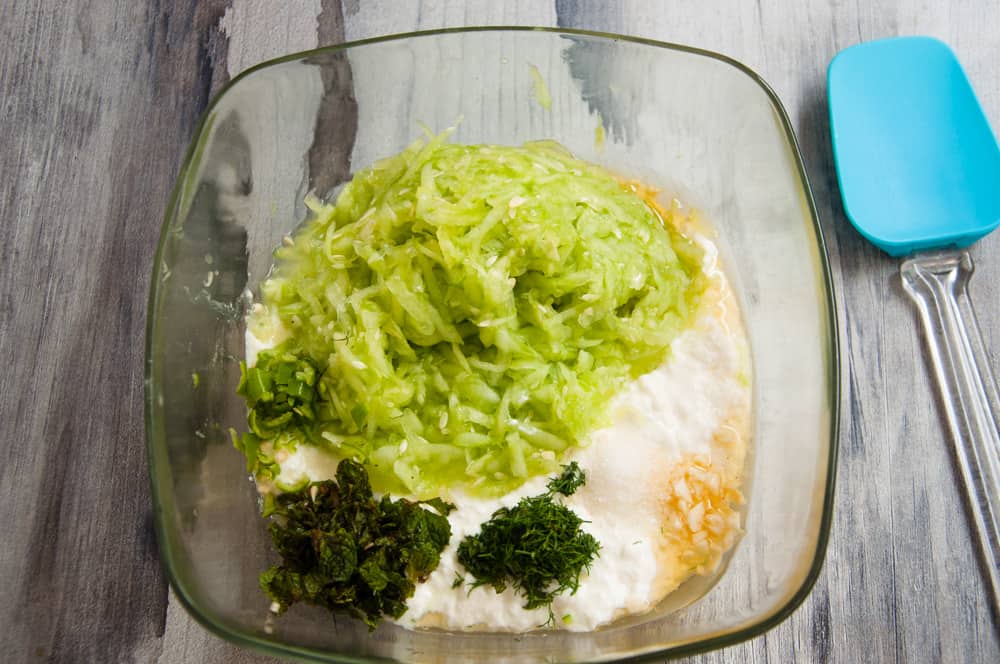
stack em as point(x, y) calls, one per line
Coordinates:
point(472, 309)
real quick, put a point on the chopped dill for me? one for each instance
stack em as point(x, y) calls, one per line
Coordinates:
point(536, 547)
point(571, 479)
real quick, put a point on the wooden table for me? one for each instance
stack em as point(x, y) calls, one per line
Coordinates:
point(98, 103)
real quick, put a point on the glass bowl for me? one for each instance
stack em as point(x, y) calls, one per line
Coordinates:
point(696, 124)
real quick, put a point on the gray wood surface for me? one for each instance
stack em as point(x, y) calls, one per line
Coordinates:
point(98, 102)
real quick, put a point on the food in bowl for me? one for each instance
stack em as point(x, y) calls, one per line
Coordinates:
point(544, 367)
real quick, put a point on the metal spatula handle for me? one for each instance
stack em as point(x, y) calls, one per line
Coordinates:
point(938, 284)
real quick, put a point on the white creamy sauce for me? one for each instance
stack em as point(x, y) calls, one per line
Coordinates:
point(670, 414)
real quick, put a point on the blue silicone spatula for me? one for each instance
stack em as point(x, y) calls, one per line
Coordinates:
point(919, 169)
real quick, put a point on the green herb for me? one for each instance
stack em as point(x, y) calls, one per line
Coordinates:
point(344, 550)
point(537, 546)
point(195, 380)
point(280, 390)
point(571, 479)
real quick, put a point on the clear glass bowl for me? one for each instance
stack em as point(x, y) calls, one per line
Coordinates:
point(698, 125)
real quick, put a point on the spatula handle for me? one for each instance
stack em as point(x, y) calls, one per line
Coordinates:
point(938, 283)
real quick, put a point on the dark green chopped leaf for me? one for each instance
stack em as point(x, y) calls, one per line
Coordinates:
point(283, 586)
point(374, 571)
point(443, 508)
point(537, 546)
point(571, 479)
point(337, 554)
point(294, 544)
point(344, 550)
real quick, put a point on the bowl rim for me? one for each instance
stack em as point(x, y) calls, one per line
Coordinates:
point(304, 654)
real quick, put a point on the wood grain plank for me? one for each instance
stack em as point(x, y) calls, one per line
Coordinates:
point(381, 17)
point(897, 582)
point(99, 100)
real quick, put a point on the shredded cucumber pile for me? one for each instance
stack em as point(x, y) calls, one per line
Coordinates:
point(472, 309)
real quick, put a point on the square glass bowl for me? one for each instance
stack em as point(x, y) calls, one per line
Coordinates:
point(696, 124)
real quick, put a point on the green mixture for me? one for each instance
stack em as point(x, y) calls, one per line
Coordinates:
point(462, 315)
